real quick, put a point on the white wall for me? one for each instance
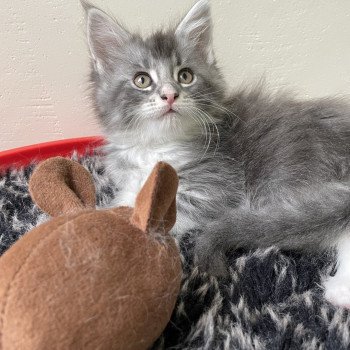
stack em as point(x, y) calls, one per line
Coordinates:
point(44, 60)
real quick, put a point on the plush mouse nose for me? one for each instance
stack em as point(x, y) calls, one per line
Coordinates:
point(170, 98)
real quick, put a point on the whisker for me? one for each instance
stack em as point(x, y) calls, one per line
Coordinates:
point(219, 107)
point(208, 129)
point(212, 123)
point(204, 93)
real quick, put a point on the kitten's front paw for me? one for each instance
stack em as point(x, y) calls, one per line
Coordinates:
point(337, 291)
point(209, 259)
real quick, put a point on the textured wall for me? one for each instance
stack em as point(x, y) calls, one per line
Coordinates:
point(44, 61)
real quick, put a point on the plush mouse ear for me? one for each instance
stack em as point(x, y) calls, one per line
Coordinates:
point(59, 185)
point(155, 206)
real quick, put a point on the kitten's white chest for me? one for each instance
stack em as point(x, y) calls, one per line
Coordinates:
point(138, 164)
point(127, 195)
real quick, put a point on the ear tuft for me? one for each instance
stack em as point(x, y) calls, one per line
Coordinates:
point(196, 29)
point(86, 5)
point(155, 206)
point(105, 37)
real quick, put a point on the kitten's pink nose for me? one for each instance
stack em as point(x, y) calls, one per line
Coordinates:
point(170, 97)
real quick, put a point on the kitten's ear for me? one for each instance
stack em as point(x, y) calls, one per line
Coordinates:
point(105, 37)
point(197, 29)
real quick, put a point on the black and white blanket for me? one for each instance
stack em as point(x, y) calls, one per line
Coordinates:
point(272, 300)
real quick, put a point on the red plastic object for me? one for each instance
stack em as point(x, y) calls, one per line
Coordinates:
point(22, 156)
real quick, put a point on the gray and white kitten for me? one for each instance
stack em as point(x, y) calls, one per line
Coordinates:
point(255, 169)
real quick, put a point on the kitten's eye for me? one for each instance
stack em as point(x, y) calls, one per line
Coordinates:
point(185, 76)
point(142, 80)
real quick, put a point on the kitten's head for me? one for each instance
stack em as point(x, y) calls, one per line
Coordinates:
point(159, 88)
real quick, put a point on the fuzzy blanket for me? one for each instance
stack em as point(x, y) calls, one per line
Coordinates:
point(272, 300)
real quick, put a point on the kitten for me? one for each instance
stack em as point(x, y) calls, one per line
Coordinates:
point(255, 169)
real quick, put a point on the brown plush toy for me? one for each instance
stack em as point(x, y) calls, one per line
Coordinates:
point(91, 279)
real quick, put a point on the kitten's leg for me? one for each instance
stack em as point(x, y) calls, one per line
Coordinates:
point(337, 288)
point(312, 219)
